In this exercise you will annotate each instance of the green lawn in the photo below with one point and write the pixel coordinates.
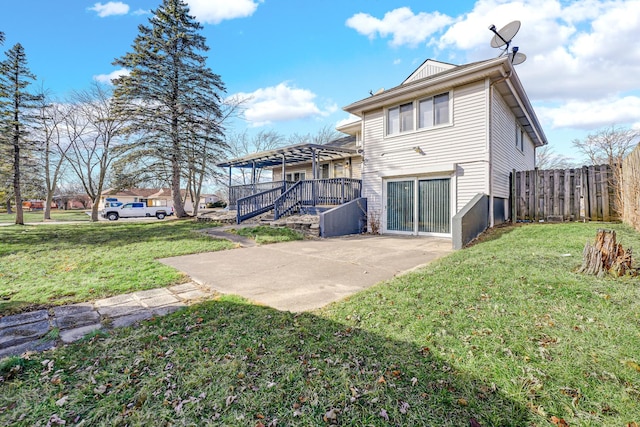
(38, 216)
(56, 264)
(503, 332)
(266, 234)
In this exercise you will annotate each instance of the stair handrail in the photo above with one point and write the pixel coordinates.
(256, 204)
(288, 200)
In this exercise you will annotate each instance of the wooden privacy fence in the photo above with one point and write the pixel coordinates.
(631, 189)
(585, 193)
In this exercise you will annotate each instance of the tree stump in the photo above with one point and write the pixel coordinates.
(606, 256)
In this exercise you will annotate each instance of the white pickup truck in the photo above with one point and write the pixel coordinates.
(135, 210)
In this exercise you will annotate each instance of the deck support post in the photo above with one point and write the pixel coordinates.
(284, 177)
(314, 174)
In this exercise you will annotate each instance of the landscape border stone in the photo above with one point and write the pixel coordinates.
(45, 329)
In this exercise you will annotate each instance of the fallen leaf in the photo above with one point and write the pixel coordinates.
(474, 423)
(331, 416)
(414, 381)
(404, 407)
(381, 380)
(559, 421)
(55, 419)
(100, 389)
(62, 401)
(462, 401)
(230, 400)
(384, 415)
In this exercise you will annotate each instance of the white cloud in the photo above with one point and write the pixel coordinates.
(281, 103)
(106, 78)
(590, 114)
(110, 8)
(578, 50)
(139, 12)
(402, 24)
(216, 11)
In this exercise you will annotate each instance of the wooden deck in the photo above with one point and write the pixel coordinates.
(285, 199)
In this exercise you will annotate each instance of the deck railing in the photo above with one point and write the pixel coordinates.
(240, 191)
(286, 198)
(256, 204)
(332, 191)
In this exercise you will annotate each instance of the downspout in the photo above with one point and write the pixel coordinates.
(490, 145)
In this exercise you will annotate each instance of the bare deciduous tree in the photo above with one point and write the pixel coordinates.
(242, 143)
(324, 135)
(610, 146)
(94, 132)
(546, 158)
(50, 121)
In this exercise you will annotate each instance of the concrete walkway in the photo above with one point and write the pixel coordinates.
(294, 276)
(308, 274)
(44, 329)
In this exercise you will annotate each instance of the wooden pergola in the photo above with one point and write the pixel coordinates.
(293, 154)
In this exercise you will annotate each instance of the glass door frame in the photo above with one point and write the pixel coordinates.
(416, 207)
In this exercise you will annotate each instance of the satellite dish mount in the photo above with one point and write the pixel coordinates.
(502, 39)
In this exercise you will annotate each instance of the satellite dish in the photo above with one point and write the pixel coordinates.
(517, 58)
(505, 35)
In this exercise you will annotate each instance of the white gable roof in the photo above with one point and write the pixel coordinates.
(428, 68)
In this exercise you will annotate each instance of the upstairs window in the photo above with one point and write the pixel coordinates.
(400, 119)
(519, 138)
(434, 111)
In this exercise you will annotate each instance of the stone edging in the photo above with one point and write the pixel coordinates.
(45, 329)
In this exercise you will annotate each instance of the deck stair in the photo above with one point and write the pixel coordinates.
(289, 199)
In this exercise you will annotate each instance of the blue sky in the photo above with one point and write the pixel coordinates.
(301, 62)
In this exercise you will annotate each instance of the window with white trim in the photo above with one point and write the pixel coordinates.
(519, 138)
(434, 111)
(400, 119)
(295, 176)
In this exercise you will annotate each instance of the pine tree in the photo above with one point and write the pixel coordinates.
(170, 97)
(16, 105)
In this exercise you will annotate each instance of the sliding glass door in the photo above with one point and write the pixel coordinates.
(400, 212)
(434, 206)
(418, 206)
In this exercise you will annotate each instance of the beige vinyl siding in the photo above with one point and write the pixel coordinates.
(354, 168)
(463, 142)
(504, 153)
(471, 180)
(291, 169)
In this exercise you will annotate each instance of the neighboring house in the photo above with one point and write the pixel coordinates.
(151, 196)
(434, 154)
(207, 199)
(72, 201)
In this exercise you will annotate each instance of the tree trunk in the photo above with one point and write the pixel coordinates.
(16, 174)
(9, 210)
(606, 256)
(94, 209)
(47, 206)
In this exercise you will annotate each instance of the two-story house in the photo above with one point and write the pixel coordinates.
(435, 153)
